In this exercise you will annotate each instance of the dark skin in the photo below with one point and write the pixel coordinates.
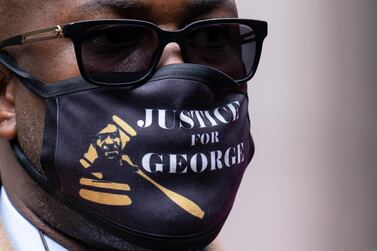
(22, 113)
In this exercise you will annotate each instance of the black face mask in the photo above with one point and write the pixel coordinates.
(158, 164)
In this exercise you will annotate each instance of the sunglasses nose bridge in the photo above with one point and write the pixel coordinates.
(170, 36)
(170, 47)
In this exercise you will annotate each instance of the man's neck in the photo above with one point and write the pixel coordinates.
(21, 233)
(30, 230)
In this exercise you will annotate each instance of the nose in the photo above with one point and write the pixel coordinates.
(172, 54)
(109, 140)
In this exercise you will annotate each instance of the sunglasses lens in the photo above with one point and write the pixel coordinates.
(125, 53)
(228, 47)
(118, 53)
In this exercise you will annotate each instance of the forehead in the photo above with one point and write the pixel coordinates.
(156, 11)
(25, 15)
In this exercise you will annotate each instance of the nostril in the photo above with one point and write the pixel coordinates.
(172, 54)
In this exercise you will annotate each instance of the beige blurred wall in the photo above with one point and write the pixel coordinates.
(312, 185)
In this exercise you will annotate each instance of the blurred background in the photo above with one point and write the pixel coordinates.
(312, 185)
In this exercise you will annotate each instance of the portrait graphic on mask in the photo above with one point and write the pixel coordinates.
(108, 151)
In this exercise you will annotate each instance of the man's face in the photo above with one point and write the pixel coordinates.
(22, 112)
(55, 60)
(108, 144)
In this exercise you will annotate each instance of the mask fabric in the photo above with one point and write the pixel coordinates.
(157, 164)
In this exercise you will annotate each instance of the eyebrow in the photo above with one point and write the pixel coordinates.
(126, 5)
(111, 4)
(209, 3)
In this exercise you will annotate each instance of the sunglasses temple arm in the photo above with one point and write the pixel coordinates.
(17, 40)
(54, 32)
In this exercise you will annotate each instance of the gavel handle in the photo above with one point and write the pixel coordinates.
(185, 203)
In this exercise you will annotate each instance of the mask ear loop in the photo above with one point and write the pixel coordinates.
(48, 177)
(41, 88)
(37, 87)
(30, 81)
(47, 180)
(27, 165)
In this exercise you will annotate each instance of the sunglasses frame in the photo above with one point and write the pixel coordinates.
(75, 30)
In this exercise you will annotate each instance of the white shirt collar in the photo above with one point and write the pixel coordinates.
(21, 233)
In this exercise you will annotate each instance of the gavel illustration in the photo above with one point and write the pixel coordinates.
(125, 133)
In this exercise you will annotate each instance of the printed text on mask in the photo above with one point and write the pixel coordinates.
(191, 120)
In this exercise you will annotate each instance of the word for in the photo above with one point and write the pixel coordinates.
(205, 138)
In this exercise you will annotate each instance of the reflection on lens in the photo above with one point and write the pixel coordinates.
(118, 53)
(228, 47)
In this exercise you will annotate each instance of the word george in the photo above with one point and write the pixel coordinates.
(197, 163)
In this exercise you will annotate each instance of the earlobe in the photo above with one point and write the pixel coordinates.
(7, 105)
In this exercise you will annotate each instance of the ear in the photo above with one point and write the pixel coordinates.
(7, 104)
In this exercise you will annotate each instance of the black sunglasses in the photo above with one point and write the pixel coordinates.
(123, 51)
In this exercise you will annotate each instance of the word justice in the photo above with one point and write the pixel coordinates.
(172, 119)
(197, 163)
